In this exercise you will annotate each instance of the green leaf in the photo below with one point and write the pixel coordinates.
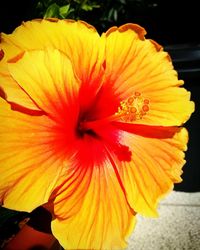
(115, 15)
(110, 14)
(52, 11)
(86, 7)
(89, 6)
(64, 10)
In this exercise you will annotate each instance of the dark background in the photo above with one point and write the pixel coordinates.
(175, 25)
(168, 22)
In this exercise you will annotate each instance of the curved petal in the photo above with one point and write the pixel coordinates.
(155, 166)
(91, 211)
(136, 65)
(48, 78)
(30, 162)
(78, 40)
(14, 93)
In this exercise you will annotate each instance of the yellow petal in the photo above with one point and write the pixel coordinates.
(91, 211)
(11, 89)
(48, 78)
(155, 166)
(14, 93)
(137, 65)
(30, 165)
(78, 40)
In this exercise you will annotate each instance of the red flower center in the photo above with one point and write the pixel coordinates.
(101, 137)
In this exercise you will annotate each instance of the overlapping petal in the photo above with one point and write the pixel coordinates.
(91, 212)
(48, 79)
(155, 166)
(78, 40)
(135, 64)
(34, 147)
(148, 160)
(30, 162)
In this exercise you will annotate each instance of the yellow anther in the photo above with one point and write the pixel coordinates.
(133, 108)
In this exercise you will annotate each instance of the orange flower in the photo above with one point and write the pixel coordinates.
(91, 124)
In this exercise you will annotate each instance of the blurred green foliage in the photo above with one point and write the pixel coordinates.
(101, 14)
(65, 8)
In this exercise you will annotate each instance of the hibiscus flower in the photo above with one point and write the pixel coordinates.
(90, 125)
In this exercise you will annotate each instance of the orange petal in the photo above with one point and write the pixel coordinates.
(30, 165)
(155, 166)
(91, 211)
(136, 65)
(48, 78)
(78, 40)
